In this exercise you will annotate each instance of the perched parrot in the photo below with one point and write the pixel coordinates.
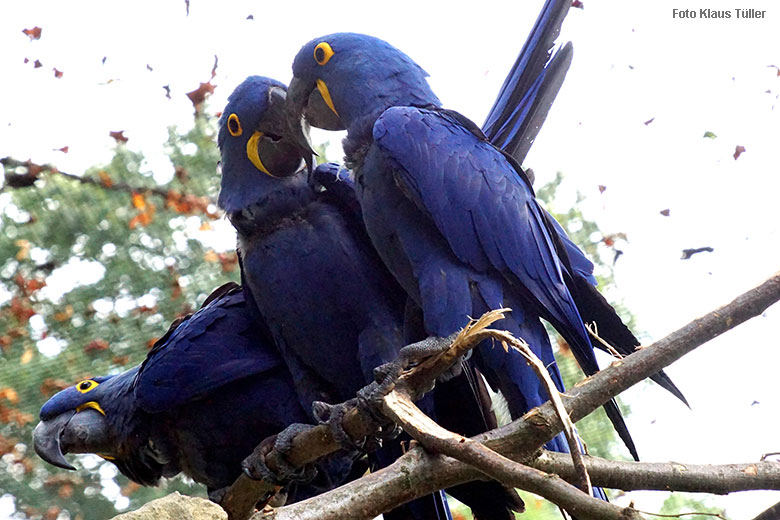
(210, 390)
(333, 310)
(453, 216)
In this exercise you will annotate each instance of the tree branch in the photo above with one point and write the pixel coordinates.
(667, 476)
(34, 170)
(513, 474)
(172, 198)
(311, 445)
(417, 473)
(582, 479)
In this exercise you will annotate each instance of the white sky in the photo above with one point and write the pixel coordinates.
(692, 76)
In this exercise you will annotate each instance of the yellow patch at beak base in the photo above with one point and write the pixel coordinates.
(323, 88)
(90, 404)
(251, 152)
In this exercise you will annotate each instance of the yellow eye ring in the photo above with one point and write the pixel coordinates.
(234, 125)
(323, 53)
(86, 385)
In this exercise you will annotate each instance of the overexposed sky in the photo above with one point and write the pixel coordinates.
(633, 62)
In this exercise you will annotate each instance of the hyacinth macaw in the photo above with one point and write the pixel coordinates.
(332, 309)
(210, 390)
(453, 217)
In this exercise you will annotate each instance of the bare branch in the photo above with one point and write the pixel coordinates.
(667, 476)
(311, 445)
(417, 473)
(514, 474)
(37, 169)
(582, 479)
(171, 197)
(307, 447)
(541, 424)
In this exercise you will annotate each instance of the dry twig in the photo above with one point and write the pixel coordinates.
(417, 473)
(667, 476)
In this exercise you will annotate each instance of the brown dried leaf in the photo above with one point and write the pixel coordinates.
(665, 212)
(97, 345)
(51, 386)
(10, 395)
(21, 309)
(24, 249)
(57, 73)
(65, 491)
(138, 200)
(738, 151)
(52, 513)
(105, 179)
(229, 261)
(64, 314)
(119, 137)
(143, 219)
(37, 64)
(64, 149)
(34, 33)
(33, 285)
(198, 96)
(27, 356)
(130, 488)
(181, 173)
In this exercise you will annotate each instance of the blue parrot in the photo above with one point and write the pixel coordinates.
(210, 390)
(311, 274)
(454, 217)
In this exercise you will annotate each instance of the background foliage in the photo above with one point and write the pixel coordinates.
(94, 268)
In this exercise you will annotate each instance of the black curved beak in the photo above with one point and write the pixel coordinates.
(47, 438)
(281, 156)
(298, 93)
(70, 432)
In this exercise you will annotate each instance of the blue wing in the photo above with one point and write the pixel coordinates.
(219, 344)
(513, 124)
(488, 215)
(480, 205)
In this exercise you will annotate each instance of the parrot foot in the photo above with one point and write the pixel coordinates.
(333, 416)
(255, 466)
(415, 353)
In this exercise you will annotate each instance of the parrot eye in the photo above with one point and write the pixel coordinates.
(234, 125)
(323, 53)
(86, 385)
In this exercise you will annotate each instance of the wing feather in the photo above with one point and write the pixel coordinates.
(217, 345)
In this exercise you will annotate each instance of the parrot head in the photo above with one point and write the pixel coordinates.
(94, 416)
(346, 80)
(256, 154)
